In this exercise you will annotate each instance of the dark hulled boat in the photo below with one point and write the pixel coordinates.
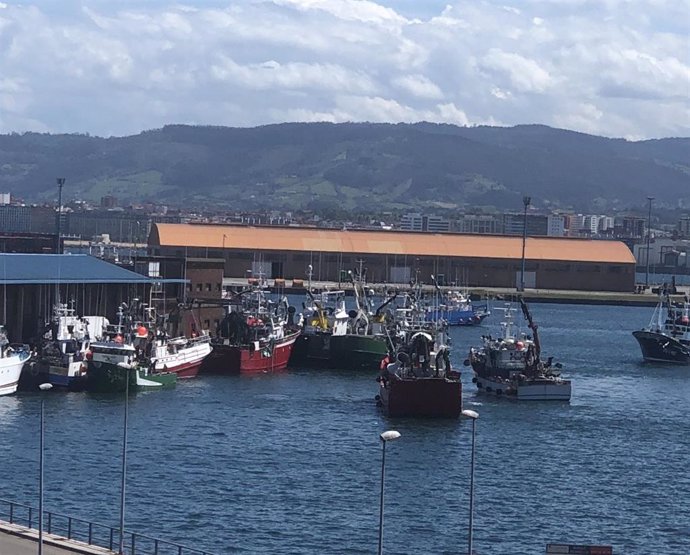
(667, 337)
(419, 381)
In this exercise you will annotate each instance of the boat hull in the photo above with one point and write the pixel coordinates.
(529, 390)
(236, 359)
(347, 352)
(659, 347)
(421, 397)
(10, 370)
(105, 377)
(185, 362)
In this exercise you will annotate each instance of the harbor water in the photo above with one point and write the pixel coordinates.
(290, 463)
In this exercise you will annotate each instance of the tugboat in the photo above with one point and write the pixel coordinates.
(667, 337)
(417, 379)
(511, 366)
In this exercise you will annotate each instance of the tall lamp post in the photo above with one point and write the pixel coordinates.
(390, 435)
(526, 201)
(124, 467)
(649, 233)
(60, 183)
(42, 387)
(473, 415)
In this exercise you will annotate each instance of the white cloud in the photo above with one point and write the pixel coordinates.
(418, 85)
(518, 72)
(595, 66)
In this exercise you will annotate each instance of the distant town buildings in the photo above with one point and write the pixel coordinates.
(424, 222)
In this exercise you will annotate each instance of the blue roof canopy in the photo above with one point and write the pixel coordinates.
(20, 269)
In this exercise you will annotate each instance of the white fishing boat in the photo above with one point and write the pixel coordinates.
(511, 365)
(12, 360)
(61, 356)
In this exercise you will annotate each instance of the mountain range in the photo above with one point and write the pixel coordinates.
(352, 167)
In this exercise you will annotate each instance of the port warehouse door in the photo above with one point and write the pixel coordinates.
(400, 274)
(530, 280)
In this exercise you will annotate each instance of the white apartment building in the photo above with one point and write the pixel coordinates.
(423, 222)
(555, 225)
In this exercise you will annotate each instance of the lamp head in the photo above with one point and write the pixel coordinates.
(390, 435)
(45, 386)
(526, 201)
(470, 414)
(60, 181)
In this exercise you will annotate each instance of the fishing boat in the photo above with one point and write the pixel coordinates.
(254, 336)
(333, 337)
(12, 360)
(114, 366)
(511, 365)
(456, 308)
(667, 337)
(140, 347)
(417, 379)
(60, 357)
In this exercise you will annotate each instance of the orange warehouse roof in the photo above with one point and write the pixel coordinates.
(388, 242)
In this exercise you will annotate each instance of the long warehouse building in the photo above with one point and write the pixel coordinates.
(399, 257)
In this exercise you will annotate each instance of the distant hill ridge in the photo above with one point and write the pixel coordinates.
(352, 166)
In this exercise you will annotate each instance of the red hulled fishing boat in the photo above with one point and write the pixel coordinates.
(256, 335)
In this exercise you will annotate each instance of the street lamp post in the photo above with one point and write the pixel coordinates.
(42, 387)
(649, 233)
(385, 438)
(526, 201)
(473, 415)
(60, 182)
(124, 466)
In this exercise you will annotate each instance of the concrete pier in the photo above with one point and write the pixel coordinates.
(20, 540)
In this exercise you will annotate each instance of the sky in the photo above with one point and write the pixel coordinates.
(617, 68)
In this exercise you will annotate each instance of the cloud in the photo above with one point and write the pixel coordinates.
(111, 68)
(516, 71)
(418, 85)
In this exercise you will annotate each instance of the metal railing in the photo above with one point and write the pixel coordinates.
(92, 533)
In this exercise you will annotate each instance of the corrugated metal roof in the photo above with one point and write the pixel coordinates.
(389, 242)
(63, 268)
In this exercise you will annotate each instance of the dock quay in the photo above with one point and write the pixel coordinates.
(648, 297)
(66, 535)
(20, 540)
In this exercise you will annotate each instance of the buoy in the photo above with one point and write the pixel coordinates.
(119, 338)
(520, 345)
(142, 331)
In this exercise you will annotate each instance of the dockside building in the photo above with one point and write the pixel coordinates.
(399, 257)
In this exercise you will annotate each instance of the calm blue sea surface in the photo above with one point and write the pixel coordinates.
(291, 462)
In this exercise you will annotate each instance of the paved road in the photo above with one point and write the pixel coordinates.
(26, 543)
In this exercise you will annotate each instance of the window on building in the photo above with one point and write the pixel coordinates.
(198, 287)
(208, 287)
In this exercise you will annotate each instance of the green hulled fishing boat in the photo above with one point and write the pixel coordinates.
(332, 337)
(111, 363)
